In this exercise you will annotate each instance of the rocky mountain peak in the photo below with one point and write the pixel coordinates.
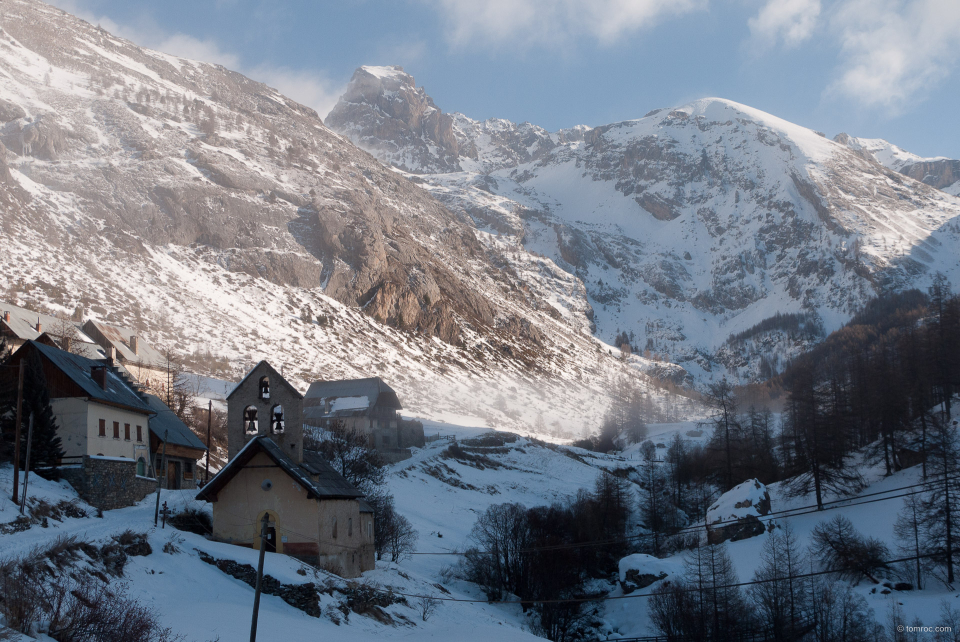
(696, 223)
(384, 112)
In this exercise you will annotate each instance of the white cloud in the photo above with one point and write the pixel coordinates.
(893, 51)
(552, 23)
(791, 21)
(306, 87)
(184, 46)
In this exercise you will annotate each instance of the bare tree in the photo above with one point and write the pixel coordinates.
(427, 606)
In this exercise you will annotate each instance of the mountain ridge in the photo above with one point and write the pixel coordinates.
(686, 226)
(216, 216)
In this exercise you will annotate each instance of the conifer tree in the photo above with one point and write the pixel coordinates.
(46, 449)
(8, 401)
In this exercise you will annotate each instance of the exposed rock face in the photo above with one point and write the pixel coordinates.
(196, 154)
(939, 173)
(225, 221)
(383, 111)
(695, 223)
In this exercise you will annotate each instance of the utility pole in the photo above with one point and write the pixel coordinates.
(264, 523)
(16, 438)
(160, 473)
(26, 475)
(206, 475)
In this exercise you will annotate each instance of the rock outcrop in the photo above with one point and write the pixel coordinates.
(736, 514)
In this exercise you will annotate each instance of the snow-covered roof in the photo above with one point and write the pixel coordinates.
(348, 397)
(121, 339)
(23, 324)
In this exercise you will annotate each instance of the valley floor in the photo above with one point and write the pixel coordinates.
(442, 496)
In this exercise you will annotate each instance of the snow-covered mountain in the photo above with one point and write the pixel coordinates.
(939, 172)
(220, 218)
(687, 226)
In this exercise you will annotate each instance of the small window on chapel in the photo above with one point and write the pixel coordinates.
(265, 387)
(350, 527)
(276, 420)
(334, 528)
(250, 420)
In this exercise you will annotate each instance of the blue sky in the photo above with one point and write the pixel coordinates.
(872, 68)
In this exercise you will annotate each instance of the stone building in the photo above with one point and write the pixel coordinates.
(264, 403)
(316, 515)
(366, 405)
(110, 431)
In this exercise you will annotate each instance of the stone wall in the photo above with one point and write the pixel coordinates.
(108, 483)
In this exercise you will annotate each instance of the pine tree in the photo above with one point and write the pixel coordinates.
(46, 449)
(8, 401)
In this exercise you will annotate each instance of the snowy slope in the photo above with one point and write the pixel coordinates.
(690, 224)
(442, 497)
(221, 219)
(940, 172)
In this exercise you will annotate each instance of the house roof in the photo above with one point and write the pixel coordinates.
(329, 483)
(357, 396)
(269, 371)
(23, 324)
(77, 345)
(119, 338)
(167, 422)
(80, 370)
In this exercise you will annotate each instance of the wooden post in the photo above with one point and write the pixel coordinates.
(160, 474)
(16, 438)
(256, 598)
(206, 475)
(26, 475)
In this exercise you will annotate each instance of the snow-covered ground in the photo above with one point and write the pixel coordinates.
(442, 497)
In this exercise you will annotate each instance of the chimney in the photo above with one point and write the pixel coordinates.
(39, 327)
(6, 316)
(135, 345)
(112, 354)
(65, 342)
(99, 374)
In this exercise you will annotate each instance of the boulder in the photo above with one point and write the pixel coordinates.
(639, 571)
(736, 514)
